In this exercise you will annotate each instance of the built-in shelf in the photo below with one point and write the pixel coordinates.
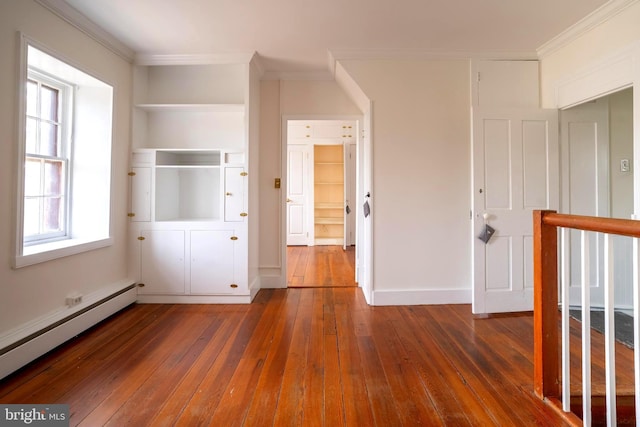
(320, 220)
(336, 205)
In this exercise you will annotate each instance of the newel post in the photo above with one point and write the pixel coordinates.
(545, 308)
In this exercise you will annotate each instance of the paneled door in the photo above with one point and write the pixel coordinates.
(515, 171)
(298, 197)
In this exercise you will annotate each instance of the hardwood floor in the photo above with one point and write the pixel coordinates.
(320, 266)
(319, 357)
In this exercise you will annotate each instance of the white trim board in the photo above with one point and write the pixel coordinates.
(586, 24)
(69, 14)
(421, 297)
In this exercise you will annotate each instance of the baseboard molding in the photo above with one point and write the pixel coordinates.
(30, 341)
(272, 278)
(196, 299)
(421, 297)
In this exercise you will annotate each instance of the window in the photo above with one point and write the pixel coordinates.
(46, 159)
(64, 192)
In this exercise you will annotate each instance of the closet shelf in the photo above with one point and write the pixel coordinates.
(336, 205)
(329, 220)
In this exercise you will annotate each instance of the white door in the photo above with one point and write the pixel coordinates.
(298, 197)
(140, 194)
(584, 146)
(212, 261)
(162, 262)
(234, 194)
(515, 171)
(351, 153)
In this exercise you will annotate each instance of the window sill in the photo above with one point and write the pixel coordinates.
(48, 251)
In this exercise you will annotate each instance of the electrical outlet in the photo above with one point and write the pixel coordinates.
(73, 299)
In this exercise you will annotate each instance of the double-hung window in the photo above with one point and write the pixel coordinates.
(64, 179)
(47, 160)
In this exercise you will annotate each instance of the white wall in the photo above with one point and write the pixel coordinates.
(603, 40)
(421, 175)
(621, 147)
(31, 292)
(277, 99)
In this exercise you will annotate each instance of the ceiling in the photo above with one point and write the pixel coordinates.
(293, 36)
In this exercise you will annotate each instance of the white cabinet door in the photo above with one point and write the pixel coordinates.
(212, 261)
(140, 194)
(162, 262)
(234, 194)
(298, 197)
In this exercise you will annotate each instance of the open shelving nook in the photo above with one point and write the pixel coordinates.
(328, 166)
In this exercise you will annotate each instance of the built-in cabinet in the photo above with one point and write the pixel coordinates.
(189, 183)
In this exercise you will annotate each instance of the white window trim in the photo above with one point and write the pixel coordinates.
(46, 251)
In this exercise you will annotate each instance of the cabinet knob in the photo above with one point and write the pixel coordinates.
(244, 214)
(244, 173)
(140, 238)
(289, 200)
(228, 194)
(131, 214)
(131, 174)
(234, 238)
(233, 285)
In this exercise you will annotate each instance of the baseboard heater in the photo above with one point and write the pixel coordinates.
(50, 333)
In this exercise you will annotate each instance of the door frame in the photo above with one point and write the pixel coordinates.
(361, 165)
(603, 77)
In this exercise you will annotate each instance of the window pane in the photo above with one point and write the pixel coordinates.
(32, 98)
(31, 216)
(53, 177)
(52, 214)
(48, 139)
(32, 178)
(49, 103)
(31, 136)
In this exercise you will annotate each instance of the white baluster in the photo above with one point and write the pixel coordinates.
(609, 331)
(586, 329)
(564, 287)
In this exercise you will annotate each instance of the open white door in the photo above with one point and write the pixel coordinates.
(515, 171)
(584, 146)
(298, 197)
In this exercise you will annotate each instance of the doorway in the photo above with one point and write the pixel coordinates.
(321, 194)
(597, 180)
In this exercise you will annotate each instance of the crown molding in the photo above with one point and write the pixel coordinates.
(426, 54)
(586, 24)
(193, 59)
(70, 15)
(298, 75)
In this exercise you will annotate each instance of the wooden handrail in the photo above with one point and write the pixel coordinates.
(545, 299)
(623, 227)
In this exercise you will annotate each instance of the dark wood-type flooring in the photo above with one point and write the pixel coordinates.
(294, 357)
(320, 266)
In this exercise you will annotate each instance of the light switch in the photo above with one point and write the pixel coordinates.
(624, 165)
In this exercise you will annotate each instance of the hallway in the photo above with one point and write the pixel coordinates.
(320, 266)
